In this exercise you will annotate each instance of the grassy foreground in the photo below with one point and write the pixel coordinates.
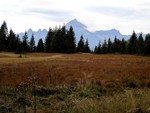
(74, 83)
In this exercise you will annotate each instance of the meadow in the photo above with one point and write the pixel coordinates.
(74, 83)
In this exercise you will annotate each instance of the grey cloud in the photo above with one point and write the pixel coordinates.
(51, 14)
(112, 11)
(119, 12)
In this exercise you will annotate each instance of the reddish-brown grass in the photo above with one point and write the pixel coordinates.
(73, 69)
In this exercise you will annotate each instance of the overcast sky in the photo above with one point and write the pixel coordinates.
(124, 15)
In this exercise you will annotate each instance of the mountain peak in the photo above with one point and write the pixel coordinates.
(75, 24)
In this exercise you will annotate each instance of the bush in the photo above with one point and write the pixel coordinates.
(130, 83)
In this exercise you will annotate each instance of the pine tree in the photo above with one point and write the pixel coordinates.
(62, 39)
(70, 41)
(11, 41)
(48, 40)
(123, 46)
(32, 44)
(86, 47)
(132, 45)
(104, 47)
(3, 36)
(97, 49)
(140, 44)
(40, 46)
(110, 46)
(25, 45)
(80, 47)
(147, 45)
(56, 46)
(18, 45)
(115, 45)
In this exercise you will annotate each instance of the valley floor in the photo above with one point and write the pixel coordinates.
(74, 83)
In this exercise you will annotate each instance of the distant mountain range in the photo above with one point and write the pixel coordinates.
(81, 29)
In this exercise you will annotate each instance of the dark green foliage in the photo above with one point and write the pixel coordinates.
(40, 46)
(110, 46)
(86, 47)
(80, 47)
(32, 44)
(123, 46)
(140, 44)
(147, 45)
(104, 47)
(130, 83)
(3, 36)
(61, 40)
(25, 45)
(48, 40)
(11, 41)
(97, 49)
(132, 44)
(70, 41)
(18, 45)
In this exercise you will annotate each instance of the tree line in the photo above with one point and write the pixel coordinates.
(61, 40)
(58, 40)
(135, 45)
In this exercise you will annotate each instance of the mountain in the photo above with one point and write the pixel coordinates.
(80, 29)
(37, 34)
(93, 37)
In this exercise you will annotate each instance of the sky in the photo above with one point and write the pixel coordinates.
(123, 15)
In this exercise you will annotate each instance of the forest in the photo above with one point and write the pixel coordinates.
(61, 40)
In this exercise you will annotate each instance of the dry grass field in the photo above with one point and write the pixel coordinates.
(74, 83)
(71, 69)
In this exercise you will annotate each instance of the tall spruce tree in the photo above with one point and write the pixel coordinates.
(123, 46)
(140, 44)
(70, 41)
(3, 36)
(80, 47)
(132, 45)
(25, 45)
(11, 41)
(32, 44)
(18, 45)
(48, 40)
(40, 46)
(86, 47)
(115, 45)
(97, 49)
(104, 47)
(147, 45)
(110, 46)
(56, 46)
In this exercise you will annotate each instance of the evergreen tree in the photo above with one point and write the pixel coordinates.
(104, 47)
(11, 41)
(80, 47)
(62, 39)
(25, 45)
(147, 45)
(123, 46)
(86, 47)
(40, 46)
(115, 45)
(18, 45)
(3, 36)
(110, 46)
(140, 44)
(132, 45)
(56, 40)
(97, 49)
(70, 41)
(48, 40)
(32, 44)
